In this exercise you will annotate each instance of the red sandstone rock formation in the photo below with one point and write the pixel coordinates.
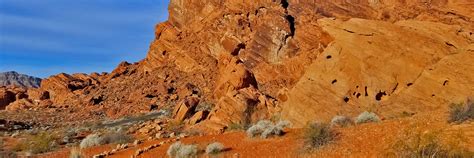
(297, 60)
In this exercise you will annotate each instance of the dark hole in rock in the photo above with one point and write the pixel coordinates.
(409, 84)
(358, 95)
(150, 96)
(334, 81)
(96, 100)
(237, 50)
(328, 57)
(346, 99)
(171, 90)
(284, 4)
(153, 107)
(291, 20)
(379, 95)
(445, 82)
(366, 94)
(450, 44)
(433, 95)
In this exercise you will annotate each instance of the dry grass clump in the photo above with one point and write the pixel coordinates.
(266, 128)
(75, 153)
(235, 127)
(179, 150)
(461, 112)
(417, 143)
(317, 135)
(37, 143)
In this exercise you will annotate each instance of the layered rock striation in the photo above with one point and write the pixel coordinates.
(234, 62)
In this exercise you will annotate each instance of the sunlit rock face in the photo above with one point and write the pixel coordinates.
(290, 59)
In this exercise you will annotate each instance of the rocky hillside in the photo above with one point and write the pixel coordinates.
(215, 63)
(20, 80)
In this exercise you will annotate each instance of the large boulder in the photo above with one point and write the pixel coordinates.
(6, 97)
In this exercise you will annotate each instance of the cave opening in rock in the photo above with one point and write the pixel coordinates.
(445, 82)
(379, 95)
(346, 99)
(366, 94)
(291, 21)
(237, 50)
(284, 4)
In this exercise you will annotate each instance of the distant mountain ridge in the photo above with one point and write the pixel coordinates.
(17, 79)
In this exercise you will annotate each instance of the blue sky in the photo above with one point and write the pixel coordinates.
(46, 37)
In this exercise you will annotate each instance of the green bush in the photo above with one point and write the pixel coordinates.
(317, 135)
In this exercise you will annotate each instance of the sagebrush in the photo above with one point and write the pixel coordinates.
(367, 117)
(266, 128)
(107, 138)
(341, 121)
(317, 135)
(179, 150)
(214, 148)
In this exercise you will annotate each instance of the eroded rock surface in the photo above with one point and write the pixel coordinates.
(297, 60)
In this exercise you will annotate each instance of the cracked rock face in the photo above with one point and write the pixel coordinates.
(298, 60)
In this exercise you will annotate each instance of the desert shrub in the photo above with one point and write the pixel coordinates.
(317, 135)
(235, 127)
(416, 143)
(107, 138)
(116, 138)
(283, 124)
(214, 148)
(39, 143)
(266, 128)
(367, 117)
(75, 153)
(187, 151)
(275, 129)
(461, 112)
(175, 126)
(341, 121)
(258, 128)
(179, 150)
(173, 149)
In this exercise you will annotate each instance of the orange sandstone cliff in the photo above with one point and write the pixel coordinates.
(215, 63)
